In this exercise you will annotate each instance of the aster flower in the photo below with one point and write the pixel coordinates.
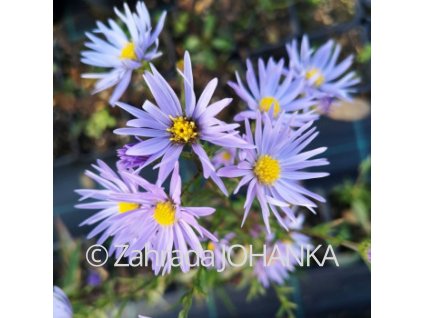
(274, 168)
(216, 248)
(167, 128)
(224, 157)
(273, 93)
(325, 78)
(120, 53)
(112, 183)
(127, 161)
(161, 224)
(285, 255)
(62, 307)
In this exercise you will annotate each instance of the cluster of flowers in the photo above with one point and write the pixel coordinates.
(283, 102)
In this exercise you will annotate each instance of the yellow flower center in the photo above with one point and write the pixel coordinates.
(267, 169)
(182, 130)
(226, 156)
(317, 74)
(127, 206)
(128, 52)
(180, 65)
(164, 213)
(210, 246)
(267, 102)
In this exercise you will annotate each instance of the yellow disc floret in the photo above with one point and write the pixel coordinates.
(317, 74)
(226, 156)
(128, 52)
(267, 169)
(127, 206)
(182, 130)
(164, 213)
(267, 102)
(211, 246)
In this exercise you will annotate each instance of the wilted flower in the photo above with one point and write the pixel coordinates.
(127, 161)
(169, 128)
(112, 183)
(274, 93)
(161, 224)
(120, 53)
(93, 278)
(282, 256)
(325, 78)
(272, 170)
(62, 307)
(224, 157)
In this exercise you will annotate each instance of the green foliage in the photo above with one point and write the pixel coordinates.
(186, 302)
(364, 249)
(255, 290)
(211, 45)
(315, 2)
(287, 307)
(364, 54)
(192, 43)
(99, 122)
(180, 24)
(357, 195)
(209, 26)
(71, 278)
(200, 281)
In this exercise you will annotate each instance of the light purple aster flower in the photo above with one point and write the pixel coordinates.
(224, 157)
(127, 161)
(282, 256)
(161, 224)
(62, 307)
(112, 183)
(325, 78)
(120, 53)
(220, 261)
(273, 169)
(274, 93)
(169, 128)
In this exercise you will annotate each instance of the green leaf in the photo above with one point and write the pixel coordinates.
(222, 44)
(365, 54)
(99, 122)
(72, 275)
(200, 282)
(181, 23)
(287, 307)
(209, 26)
(364, 249)
(186, 301)
(361, 210)
(192, 43)
(207, 58)
(255, 289)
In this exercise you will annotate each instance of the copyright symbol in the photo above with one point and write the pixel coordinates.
(97, 255)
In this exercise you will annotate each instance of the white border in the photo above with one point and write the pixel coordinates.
(26, 161)
(397, 158)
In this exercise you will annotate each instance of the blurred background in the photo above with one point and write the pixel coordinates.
(220, 35)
